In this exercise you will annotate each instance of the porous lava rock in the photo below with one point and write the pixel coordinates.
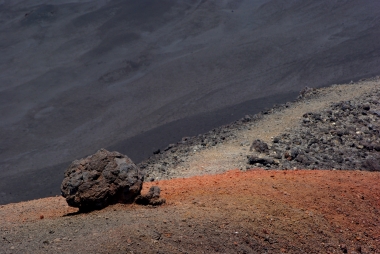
(152, 198)
(101, 179)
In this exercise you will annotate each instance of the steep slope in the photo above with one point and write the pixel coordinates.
(79, 75)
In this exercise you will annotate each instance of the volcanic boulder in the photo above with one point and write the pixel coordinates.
(101, 179)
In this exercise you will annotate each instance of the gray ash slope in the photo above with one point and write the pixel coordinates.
(344, 135)
(76, 76)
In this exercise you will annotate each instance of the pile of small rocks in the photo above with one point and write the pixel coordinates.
(158, 165)
(344, 136)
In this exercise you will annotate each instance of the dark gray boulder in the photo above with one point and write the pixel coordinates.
(101, 179)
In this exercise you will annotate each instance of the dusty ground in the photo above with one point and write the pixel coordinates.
(256, 211)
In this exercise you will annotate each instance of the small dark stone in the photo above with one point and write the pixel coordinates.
(343, 247)
(169, 147)
(318, 117)
(259, 146)
(265, 161)
(376, 112)
(303, 159)
(372, 164)
(340, 133)
(337, 158)
(367, 145)
(152, 198)
(247, 118)
(306, 91)
(156, 235)
(277, 155)
(294, 152)
(366, 107)
(345, 107)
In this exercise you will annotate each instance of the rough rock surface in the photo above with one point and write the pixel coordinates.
(101, 179)
(344, 136)
(152, 198)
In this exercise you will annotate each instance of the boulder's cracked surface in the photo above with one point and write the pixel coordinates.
(101, 179)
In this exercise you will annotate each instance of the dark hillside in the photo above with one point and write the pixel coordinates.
(76, 76)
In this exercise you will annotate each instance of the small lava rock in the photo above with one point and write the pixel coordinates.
(259, 146)
(152, 198)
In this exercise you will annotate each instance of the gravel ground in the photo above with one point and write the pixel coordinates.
(256, 211)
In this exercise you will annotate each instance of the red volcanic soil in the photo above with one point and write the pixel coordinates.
(292, 207)
(260, 211)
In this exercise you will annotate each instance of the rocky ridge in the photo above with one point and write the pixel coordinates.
(342, 135)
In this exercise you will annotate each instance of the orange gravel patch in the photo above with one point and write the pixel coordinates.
(296, 211)
(348, 200)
